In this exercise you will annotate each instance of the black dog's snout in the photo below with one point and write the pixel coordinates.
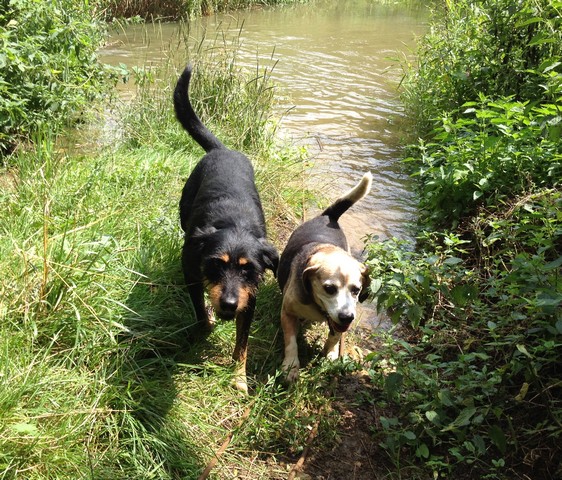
(229, 303)
(346, 317)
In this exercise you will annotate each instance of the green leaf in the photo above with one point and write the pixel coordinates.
(25, 428)
(392, 383)
(388, 422)
(433, 417)
(479, 443)
(477, 194)
(498, 438)
(554, 264)
(422, 451)
(414, 314)
(462, 420)
(409, 435)
(376, 285)
(445, 398)
(550, 67)
(547, 299)
(541, 39)
(463, 294)
(523, 350)
(452, 261)
(529, 21)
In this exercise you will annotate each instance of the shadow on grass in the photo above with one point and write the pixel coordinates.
(162, 346)
(158, 336)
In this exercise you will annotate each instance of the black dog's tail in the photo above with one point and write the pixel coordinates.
(342, 204)
(188, 118)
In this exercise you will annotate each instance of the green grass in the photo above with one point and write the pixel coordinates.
(102, 374)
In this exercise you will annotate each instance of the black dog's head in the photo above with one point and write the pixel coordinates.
(233, 262)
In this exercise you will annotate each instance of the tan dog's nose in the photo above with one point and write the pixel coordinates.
(346, 317)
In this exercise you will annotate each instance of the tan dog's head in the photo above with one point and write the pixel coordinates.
(336, 282)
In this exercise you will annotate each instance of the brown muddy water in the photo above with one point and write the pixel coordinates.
(337, 65)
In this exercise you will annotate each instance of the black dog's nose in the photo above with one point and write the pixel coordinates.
(229, 304)
(346, 317)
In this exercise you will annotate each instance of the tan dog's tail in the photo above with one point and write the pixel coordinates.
(342, 204)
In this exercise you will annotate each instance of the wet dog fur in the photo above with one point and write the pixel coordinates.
(320, 280)
(225, 250)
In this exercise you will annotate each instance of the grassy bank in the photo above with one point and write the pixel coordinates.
(101, 374)
(475, 390)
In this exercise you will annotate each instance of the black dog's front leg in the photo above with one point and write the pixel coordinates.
(243, 323)
(192, 277)
(196, 293)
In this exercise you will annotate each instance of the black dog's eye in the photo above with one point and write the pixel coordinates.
(217, 263)
(355, 290)
(246, 265)
(330, 289)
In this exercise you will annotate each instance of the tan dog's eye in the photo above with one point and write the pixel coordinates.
(355, 291)
(330, 289)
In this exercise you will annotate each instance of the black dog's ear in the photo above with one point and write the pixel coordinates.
(200, 237)
(365, 283)
(270, 256)
(203, 232)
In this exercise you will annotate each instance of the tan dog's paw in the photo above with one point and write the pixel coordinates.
(333, 354)
(291, 370)
(240, 384)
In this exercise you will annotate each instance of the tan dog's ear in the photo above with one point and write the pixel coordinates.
(306, 274)
(365, 283)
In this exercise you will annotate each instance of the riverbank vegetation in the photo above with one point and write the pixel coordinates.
(49, 73)
(102, 374)
(177, 9)
(474, 387)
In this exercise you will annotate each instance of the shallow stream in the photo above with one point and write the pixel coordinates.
(337, 64)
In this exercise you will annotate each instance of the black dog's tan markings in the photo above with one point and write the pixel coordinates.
(225, 247)
(319, 278)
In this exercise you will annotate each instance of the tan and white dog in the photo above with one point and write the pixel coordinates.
(320, 280)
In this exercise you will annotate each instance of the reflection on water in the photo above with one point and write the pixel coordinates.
(335, 62)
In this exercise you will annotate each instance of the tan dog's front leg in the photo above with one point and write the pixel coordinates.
(290, 325)
(331, 348)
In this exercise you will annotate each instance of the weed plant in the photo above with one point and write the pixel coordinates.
(476, 391)
(103, 373)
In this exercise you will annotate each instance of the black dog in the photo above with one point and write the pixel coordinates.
(225, 247)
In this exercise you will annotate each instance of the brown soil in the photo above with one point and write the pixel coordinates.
(356, 454)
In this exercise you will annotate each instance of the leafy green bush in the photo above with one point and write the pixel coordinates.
(475, 391)
(484, 370)
(48, 67)
(494, 47)
(494, 149)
